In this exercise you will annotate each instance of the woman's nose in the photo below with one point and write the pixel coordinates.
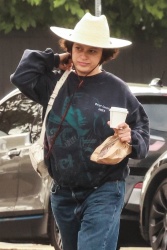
(83, 54)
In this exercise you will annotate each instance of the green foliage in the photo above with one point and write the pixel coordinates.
(136, 19)
(131, 19)
(34, 2)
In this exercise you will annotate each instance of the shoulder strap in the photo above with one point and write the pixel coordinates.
(51, 101)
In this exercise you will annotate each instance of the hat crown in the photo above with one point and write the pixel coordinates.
(93, 25)
(91, 28)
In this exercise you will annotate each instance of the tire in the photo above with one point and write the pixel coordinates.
(158, 218)
(54, 234)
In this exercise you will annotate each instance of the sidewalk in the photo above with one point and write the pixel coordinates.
(135, 248)
(14, 246)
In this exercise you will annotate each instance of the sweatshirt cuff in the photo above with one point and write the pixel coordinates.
(56, 60)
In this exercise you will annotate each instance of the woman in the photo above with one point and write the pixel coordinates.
(86, 198)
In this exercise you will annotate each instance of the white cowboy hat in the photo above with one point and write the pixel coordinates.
(92, 31)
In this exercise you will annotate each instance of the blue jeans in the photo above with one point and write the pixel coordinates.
(89, 219)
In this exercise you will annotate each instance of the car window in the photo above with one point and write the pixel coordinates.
(156, 109)
(19, 115)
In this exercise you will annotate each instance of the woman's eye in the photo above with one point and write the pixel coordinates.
(93, 51)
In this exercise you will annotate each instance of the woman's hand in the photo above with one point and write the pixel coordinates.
(65, 61)
(123, 131)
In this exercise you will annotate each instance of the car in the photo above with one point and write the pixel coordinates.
(153, 204)
(148, 177)
(25, 209)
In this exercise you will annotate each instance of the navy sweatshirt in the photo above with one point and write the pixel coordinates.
(85, 125)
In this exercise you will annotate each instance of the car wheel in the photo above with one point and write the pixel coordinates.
(54, 233)
(158, 218)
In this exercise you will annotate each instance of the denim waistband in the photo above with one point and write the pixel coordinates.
(80, 188)
(76, 189)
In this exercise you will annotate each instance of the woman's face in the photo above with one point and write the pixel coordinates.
(86, 59)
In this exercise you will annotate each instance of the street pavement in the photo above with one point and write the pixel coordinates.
(13, 246)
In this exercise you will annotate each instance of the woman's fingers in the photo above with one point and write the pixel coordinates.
(123, 131)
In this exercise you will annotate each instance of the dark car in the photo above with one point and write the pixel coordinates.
(153, 204)
(25, 211)
(146, 194)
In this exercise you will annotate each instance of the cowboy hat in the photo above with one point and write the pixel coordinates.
(92, 31)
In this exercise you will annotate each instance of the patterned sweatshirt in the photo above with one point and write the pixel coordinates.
(85, 125)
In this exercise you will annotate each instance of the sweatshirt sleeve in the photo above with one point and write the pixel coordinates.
(140, 133)
(137, 119)
(34, 75)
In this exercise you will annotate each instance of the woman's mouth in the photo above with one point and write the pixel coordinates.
(83, 64)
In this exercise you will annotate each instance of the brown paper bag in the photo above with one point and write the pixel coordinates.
(111, 151)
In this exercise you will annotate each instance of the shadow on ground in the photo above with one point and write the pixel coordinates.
(130, 235)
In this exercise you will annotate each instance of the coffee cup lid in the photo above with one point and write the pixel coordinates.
(119, 109)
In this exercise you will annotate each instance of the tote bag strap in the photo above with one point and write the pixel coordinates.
(51, 101)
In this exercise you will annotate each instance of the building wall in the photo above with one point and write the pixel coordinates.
(139, 62)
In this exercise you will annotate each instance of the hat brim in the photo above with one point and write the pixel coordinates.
(67, 34)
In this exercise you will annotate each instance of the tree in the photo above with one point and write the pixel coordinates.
(132, 19)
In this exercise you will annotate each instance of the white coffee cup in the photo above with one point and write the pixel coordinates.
(117, 116)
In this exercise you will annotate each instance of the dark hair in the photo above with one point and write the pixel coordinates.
(107, 54)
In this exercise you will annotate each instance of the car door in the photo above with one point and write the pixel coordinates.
(20, 117)
(9, 160)
(8, 177)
